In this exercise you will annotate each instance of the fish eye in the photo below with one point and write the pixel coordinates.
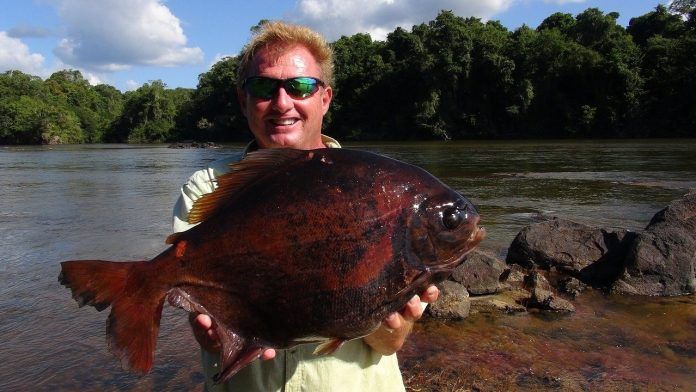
(452, 218)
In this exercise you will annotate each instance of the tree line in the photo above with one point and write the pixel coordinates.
(450, 78)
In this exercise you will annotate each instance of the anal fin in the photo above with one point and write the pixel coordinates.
(236, 352)
(236, 349)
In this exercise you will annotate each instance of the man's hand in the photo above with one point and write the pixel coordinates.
(206, 336)
(390, 336)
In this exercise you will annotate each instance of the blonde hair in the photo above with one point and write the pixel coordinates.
(280, 36)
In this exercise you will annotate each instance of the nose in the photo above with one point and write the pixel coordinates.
(281, 101)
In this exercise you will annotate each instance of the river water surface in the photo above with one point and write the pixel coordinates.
(114, 202)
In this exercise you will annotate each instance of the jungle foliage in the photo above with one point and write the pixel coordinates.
(450, 78)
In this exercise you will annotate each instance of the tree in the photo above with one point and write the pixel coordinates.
(358, 67)
(564, 23)
(213, 113)
(659, 22)
(148, 114)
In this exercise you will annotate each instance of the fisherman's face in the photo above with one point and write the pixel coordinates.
(283, 120)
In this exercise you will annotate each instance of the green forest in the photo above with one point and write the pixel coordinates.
(582, 76)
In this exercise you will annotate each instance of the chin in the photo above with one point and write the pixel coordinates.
(283, 140)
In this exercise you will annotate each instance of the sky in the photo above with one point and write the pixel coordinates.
(126, 43)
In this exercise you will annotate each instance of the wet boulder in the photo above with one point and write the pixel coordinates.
(453, 302)
(593, 255)
(662, 259)
(542, 295)
(480, 273)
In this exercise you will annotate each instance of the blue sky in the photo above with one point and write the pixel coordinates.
(126, 43)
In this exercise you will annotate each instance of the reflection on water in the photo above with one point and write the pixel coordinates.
(114, 202)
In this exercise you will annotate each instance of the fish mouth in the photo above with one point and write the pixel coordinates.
(445, 268)
(477, 235)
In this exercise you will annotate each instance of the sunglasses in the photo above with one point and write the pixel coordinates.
(264, 88)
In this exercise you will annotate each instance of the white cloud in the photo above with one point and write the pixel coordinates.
(218, 57)
(132, 85)
(15, 55)
(92, 78)
(113, 35)
(334, 18)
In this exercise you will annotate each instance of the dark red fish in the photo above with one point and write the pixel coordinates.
(293, 246)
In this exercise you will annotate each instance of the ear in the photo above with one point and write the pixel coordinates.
(326, 99)
(242, 99)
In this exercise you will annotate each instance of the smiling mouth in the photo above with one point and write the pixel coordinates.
(283, 122)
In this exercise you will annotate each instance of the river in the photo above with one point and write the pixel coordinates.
(114, 202)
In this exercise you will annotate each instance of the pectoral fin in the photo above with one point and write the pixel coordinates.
(329, 347)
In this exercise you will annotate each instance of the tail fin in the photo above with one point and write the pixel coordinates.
(136, 305)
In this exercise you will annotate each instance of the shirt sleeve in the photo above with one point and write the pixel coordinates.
(200, 183)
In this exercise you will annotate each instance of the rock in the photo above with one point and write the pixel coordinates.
(594, 255)
(572, 286)
(513, 277)
(542, 297)
(453, 302)
(193, 144)
(547, 300)
(506, 302)
(480, 273)
(535, 280)
(662, 259)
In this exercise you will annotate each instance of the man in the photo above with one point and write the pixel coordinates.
(284, 89)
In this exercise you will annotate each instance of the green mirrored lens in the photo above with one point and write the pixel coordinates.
(261, 87)
(301, 87)
(264, 88)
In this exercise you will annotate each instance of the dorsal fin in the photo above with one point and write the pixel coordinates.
(254, 167)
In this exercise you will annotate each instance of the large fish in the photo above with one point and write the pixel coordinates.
(293, 246)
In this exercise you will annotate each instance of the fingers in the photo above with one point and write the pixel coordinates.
(430, 294)
(413, 309)
(393, 321)
(203, 321)
(205, 324)
(268, 353)
(411, 312)
(204, 331)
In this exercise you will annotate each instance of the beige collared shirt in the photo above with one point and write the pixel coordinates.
(353, 367)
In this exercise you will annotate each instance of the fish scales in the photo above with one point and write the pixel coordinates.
(319, 244)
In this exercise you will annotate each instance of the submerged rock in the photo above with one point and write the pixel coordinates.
(505, 302)
(662, 259)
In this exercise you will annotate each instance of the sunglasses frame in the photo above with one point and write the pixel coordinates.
(286, 86)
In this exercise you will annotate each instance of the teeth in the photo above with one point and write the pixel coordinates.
(286, 121)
